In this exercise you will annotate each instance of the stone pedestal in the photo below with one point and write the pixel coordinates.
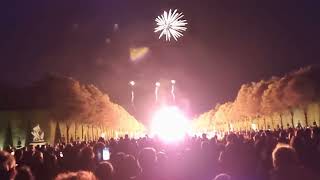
(38, 143)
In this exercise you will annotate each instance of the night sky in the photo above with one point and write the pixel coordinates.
(227, 43)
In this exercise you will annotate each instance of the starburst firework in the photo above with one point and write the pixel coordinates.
(171, 25)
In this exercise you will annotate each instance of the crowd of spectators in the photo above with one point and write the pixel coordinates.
(292, 154)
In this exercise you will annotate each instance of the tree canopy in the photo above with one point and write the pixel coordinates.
(297, 89)
(70, 101)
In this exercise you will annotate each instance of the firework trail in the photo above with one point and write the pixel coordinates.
(173, 82)
(132, 98)
(132, 83)
(157, 90)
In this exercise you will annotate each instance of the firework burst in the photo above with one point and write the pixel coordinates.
(171, 25)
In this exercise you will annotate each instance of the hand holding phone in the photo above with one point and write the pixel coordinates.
(105, 154)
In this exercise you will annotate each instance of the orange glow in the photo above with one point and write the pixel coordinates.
(138, 53)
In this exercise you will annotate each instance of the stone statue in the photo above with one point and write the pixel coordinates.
(38, 134)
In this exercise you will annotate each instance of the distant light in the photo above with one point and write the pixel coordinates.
(108, 40)
(100, 61)
(173, 81)
(132, 83)
(115, 27)
(75, 26)
(169, 124)
(157, 84)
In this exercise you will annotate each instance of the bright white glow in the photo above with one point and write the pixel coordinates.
(132, 83)
(170, 24)
(103, 135)
(173, 81)
(254, 127)
(157, 84)
(169, 124)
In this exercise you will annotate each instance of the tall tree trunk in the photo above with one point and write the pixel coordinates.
(281, 121)
(29, 138)
(68, 128)
(92, 132)
(306, 116)
(318, 124)
(292, 114)
(8, 141)
(265, 123)
(82, 132)
(88, 132)
(75, 131)
(57, 137)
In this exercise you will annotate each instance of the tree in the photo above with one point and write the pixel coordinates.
(275, 96)
(223, 114)
(57, 135)
(272, 101)
(8, 141)
(63, 98)
(72, 103)
(302, 89)
(240, 107)
(28, 133)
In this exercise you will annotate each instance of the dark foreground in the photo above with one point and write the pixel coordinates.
(241, 155)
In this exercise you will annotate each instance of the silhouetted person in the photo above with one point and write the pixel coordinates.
(37, 165)
(231, 157)
(286, 166)
(314, 124)
(80, 175)
(117, 160)
(162, 165)
(104, 171)
(222, 177)
(50, 165)
(24, 173)
(18, 155)
(7, 166)
(147, 161)
(299, 125)
(131, 168)
(87, 161)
